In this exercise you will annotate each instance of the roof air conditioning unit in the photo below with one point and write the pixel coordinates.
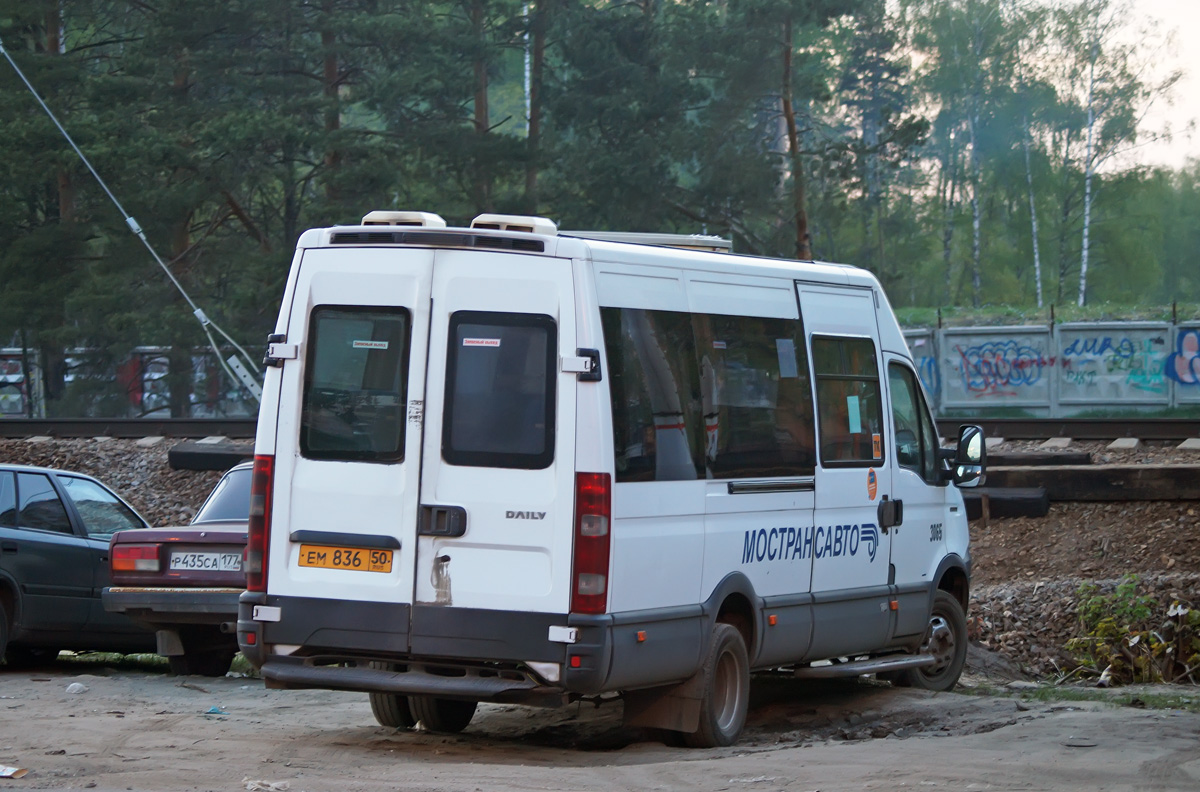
(419, 219)
(525, 223)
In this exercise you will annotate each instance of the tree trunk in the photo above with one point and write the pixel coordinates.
(1088, 171)
(54, 46)
(333, 115)
(976, 220)
(948, 208)
(482, 186)
(537, 67)
(1037, 258)
(800, 213)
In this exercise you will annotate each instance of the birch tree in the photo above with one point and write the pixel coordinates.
(1107, 69)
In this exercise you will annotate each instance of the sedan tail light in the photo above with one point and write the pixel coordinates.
(136, 558)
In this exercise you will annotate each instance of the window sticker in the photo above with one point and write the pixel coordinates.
(872, 483)
(876, 447)
(785, 348)
(481, 342)
(854, 414)
(369, 344)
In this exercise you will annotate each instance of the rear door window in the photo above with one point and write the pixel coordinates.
(40, 506)
(356, 384)
(500, 389)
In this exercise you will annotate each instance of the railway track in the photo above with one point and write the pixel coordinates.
(1145, 429)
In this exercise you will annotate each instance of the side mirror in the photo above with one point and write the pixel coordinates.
(970, 460)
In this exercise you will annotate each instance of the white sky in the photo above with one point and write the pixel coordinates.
(1182, 19)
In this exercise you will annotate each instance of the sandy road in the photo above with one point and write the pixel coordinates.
(140, 730)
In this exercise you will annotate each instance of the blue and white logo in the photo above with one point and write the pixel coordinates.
(869, 534)
(821, 541)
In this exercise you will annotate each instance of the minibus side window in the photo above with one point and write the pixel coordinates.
(355, 384)
(658, 426)
(500, 389)
(848, 401)
(756, 396)
(916, 443)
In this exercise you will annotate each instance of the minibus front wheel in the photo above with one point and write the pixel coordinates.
(946, 640)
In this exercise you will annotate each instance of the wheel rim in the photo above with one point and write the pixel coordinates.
(940, 645)
(727, 691)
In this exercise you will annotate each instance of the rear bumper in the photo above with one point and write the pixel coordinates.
(482, 655)
(168, 606)
(511, 687)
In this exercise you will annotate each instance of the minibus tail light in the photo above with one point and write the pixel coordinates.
(593, 512)
(258, 535)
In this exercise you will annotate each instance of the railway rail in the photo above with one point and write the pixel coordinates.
(1146, 429)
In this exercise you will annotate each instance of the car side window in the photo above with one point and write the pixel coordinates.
(848, 404)
(916, 445)
(40, 506)
(8, 500)
(103, 513)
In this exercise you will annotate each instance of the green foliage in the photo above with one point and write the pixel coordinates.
(228, 127)
(1127, 637)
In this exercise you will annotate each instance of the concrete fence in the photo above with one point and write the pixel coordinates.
(1060, 370)
(1046, 370)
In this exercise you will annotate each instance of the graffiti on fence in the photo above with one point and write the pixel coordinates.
(999, 368)
(931, 377)
(1183, 365)
(1119, 362)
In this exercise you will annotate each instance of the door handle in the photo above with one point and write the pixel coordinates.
(443, 521)
(8, 547)
(890, 513)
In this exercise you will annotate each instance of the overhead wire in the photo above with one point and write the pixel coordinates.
(205, 322)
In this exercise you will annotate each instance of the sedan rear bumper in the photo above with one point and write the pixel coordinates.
(168, 605)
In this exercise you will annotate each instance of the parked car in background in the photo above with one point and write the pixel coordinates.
(54, 536)
(184, 582)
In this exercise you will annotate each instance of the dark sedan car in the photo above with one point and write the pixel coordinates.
(54, 533)
(184, 582)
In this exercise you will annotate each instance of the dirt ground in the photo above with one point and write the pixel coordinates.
(140, 729)
(144, 730)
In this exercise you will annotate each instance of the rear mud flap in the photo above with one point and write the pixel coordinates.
(675, 707)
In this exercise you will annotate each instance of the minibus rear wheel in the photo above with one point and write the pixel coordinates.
(390, 709)
(448, 716)
(726, 681)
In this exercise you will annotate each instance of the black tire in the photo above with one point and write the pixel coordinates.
(391, 709)
(27, 657)
(947, 640)
(449, 716)
(209, 663)
(3, 633)
(726, 680)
